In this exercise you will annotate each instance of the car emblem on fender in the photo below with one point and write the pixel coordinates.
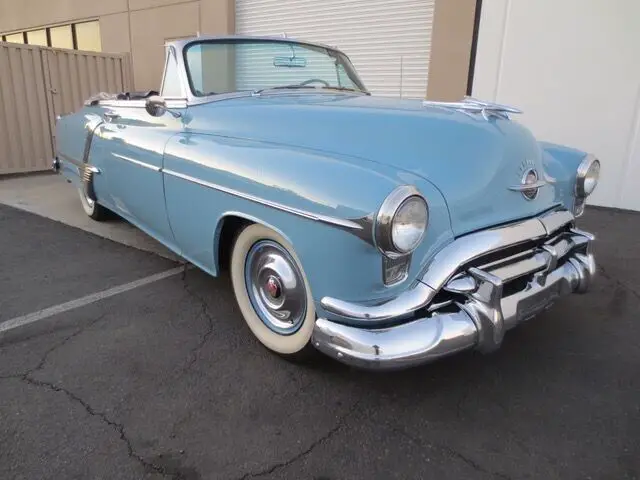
(529, 185)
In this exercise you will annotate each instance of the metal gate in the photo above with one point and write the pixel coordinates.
(39, 83)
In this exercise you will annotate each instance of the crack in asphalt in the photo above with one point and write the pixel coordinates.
(27, 377)
(43, 360)
(618, 282)
(207, 314)
(340, 423)
(118, 427)
(452, 452)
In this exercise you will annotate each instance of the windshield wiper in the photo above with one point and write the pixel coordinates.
(282, 87)
(296, 86)
(346, 89)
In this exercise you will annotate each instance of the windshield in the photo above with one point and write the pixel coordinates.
(216, 67)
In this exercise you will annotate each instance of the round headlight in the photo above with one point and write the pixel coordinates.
(409, 224)
(587, 177)
(401, 221)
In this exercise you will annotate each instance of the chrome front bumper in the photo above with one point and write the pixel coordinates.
(473, 303)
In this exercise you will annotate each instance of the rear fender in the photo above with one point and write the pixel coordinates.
(74, 136)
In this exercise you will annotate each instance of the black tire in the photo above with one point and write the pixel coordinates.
(93, 209)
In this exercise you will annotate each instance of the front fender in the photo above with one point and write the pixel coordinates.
(561, 165)
(246, 179)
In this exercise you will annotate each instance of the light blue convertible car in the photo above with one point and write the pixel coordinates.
(383, 232)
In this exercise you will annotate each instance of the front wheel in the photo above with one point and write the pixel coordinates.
(272, 292)
(91, 207)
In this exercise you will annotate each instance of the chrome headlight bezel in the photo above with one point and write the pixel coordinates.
(383, 227)
(584, 169)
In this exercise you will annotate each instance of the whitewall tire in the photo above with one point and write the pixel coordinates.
(272, 292)
(92, 208)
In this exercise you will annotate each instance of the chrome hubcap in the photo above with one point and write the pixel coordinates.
(275, 287)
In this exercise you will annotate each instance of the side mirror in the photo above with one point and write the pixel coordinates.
(156, 106)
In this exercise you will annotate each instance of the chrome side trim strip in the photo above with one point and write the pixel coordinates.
(137, 162)
(344, 223)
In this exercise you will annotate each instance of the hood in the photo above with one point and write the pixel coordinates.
(472, 161)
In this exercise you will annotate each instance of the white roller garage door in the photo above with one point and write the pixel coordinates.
(573, 67)
(387, 40)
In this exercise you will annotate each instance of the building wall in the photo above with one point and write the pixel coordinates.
(451, 42)
(578, 82)
(138, 27)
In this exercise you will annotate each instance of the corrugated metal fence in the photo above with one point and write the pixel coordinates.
(39, 83)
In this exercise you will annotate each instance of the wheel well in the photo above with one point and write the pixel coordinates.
(231, 226)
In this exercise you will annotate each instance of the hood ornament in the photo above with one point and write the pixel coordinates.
(474, 106)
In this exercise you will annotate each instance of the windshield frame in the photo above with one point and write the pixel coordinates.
(330, 51)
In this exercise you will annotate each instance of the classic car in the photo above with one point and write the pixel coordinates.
(383, 232)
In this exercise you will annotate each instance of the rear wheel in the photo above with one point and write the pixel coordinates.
(91, 207)
(272, 292)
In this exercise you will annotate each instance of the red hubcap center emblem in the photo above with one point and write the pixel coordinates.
(273, 288)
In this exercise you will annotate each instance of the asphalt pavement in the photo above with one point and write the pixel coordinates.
(166, 382)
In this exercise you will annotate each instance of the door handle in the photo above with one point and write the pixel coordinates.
(110, 116)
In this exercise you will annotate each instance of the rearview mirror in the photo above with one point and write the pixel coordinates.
(156, 106)
(289, 62)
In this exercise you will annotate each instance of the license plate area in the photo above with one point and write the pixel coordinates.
(538, 302)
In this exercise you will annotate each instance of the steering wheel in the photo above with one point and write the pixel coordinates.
(315, 80)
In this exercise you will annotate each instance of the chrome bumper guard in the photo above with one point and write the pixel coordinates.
(481, 302)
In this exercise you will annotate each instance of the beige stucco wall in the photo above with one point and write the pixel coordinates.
(23, 14)
(150, 29)
(450, 49)
(139, 27)
(114, 30)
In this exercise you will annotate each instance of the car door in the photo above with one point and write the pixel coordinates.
(135, 142)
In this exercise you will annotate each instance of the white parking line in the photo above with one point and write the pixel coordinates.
(81, 302)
